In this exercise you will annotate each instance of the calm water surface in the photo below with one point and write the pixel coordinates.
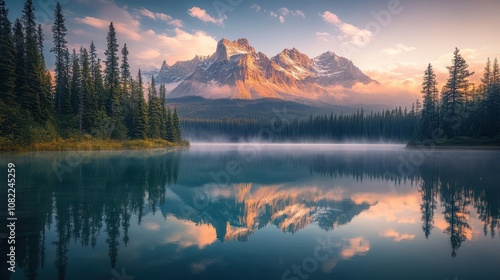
(257, 212)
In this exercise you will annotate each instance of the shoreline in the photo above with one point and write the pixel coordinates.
(67, 145)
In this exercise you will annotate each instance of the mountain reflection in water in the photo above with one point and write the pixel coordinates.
(126, 204)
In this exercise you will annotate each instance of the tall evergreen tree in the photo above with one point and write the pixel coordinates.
(493, 101)
(90, 102)
(34, 67)
(454, 95)
(40, 39)
(99, 85)
(428, 117)
(140, 120)
(76, 90)
(125, 68)
(163, 119)
(127, 102)
(7, 58)
(8, 103)
(177, 127)
(21, 84)
(170, 127)
(59, 32)
(155, 113)
(93, 59)
(112, 74)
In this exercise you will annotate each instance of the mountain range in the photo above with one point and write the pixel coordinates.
(237, 71)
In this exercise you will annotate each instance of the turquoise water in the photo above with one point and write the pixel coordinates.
(256, 212)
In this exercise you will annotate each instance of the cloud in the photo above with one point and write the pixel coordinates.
(398, 237)
(255, 7)
(400, 48)
(188, 234)
(153, 226)
(350, 33)
(160, 16)
(199, 267)
(298, 13)
(355, 246)
(203, 16)
(148, 48)
(324, 36)
(94, 22)
(283, 12)
(392, 208)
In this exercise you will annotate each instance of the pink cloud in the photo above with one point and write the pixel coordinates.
(350, 33)
(204, 16)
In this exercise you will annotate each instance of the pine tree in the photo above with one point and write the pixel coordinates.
(8, 103)
(59, 32)
(177, 127)
(93, 59)
(126, 79)
(76, 90)
(90, 102)
(7, 58)
(454, 96)
(34, 70)
(21, 84)
(125, 68)
(112, 75)
(40, 38)
(493, 102)
(140, 120)
(66, 108)
(155, 114)
(163, 119)
(428, 117)
(170, 127)
(99, 85)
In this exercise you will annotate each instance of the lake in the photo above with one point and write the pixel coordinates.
(248, 211)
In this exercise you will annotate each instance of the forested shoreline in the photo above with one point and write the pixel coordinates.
(80, 101)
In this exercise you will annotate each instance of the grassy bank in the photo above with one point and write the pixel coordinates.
(460, 143)
(72, 144)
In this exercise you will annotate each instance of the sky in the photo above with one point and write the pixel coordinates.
(390, 40)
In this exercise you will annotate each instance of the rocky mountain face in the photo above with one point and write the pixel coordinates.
(237, 70)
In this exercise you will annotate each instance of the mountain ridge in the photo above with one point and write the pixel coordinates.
(237, 70)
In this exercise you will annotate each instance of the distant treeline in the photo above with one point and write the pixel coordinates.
(81, 99)
(397, 125)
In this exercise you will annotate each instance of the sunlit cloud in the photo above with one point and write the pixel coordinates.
(398, 237)
(94, 22)
(349, 33)
(161, 17)
(188, 234)
(355, 246)
(148, 48)
(350, 248)
(396, 208)
(202, 15)
(399, 48)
